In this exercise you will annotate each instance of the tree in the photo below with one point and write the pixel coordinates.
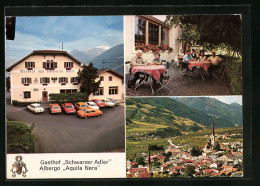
(189, 170)
(140, 160)
(217, 147)
(195, 151)
(211, 31)
(88, 77)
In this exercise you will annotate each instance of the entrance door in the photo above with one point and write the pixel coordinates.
(44, 96)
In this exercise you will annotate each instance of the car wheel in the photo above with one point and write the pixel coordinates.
(86, 117)
(99, 115)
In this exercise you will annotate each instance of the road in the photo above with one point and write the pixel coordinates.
(63, 133)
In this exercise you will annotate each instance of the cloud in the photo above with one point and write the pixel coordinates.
(76, 32)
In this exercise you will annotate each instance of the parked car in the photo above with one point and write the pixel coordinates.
(35, 107)
(81, 105)
(68, 108)
(108, 103)
(92, 104)
(54, 108)
(99, 103)
(117, 103)
(89, 112)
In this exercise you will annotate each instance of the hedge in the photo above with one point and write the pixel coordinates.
(23, 104)
(70, 98)
(234, 74)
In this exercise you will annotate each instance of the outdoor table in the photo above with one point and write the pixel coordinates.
(199, 64)
(202, 64)
(150, 71)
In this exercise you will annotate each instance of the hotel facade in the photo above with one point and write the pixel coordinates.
(43, 72)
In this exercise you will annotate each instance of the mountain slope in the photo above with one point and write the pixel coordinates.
(81, 56)
(113, 58)
(231, 112)
(94, 52)
(166, 112)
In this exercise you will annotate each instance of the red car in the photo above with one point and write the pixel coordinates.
(69, 108)
(99, 103)
(54, 108)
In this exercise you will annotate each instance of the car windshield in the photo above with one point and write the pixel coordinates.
(92, 104)
(99, 102)
(56, 107)
(83, 106)
(70, 106)
(37, 106)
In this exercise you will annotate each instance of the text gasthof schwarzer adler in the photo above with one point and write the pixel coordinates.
(72, 165)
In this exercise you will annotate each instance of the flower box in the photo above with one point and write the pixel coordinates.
(26, 84)
(63, 83)
(68, 68)
(44, 84)
(48, 68)
(75, 83)
(29, 68)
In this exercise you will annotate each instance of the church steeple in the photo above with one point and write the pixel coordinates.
(213, 136)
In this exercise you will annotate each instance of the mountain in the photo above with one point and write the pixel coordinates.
(154, 113)
(94, 52)
(86, 56)
(81, 56)
(112, 58)
(231, 112)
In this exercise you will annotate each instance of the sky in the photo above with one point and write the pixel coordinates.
(229, 99)
(76, 32)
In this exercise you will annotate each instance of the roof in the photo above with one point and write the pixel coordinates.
(154, 19)
(101, 71)
(59, 52)
(134, 170)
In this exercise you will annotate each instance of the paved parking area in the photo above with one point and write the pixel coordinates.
(182, 86)
(62, 133)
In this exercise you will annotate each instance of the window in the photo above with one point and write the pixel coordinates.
(29, 65)
(164, 36)
(101, 78)
(148, 32)
(49, 65)
(63, 80)
(26, 94)
(26, 81)
(68, 90)
(99, 92)
(68, 65)
(44, 80)
(153, 34)
(74, 80)
(110, 78)
(113, 90)
(139, 30)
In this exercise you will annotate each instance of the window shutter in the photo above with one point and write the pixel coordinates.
(55, 64)
(22, 80)
(41, 80)
(59, 80)
(66, 80)
(71, 64)
(26, 64)
(30, 80)
(65, 65)
(71, 79)
(33, 64)
(48, 80)
(44, 65)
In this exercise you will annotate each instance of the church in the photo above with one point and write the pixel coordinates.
(210, 145)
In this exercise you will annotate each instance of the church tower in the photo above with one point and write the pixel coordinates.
(212, 138)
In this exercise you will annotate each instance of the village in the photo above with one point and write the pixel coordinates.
(214, 160)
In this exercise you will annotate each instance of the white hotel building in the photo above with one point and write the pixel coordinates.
(43, 72)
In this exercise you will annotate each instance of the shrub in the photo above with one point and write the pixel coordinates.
(23, 104)
(71, 98)
(234, 74)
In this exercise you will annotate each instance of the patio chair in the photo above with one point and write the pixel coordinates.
(128, 76)
(219, 74)
(165, 80)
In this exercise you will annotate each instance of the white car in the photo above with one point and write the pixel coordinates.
(92, 105)
(108, 102)
(35, 107)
